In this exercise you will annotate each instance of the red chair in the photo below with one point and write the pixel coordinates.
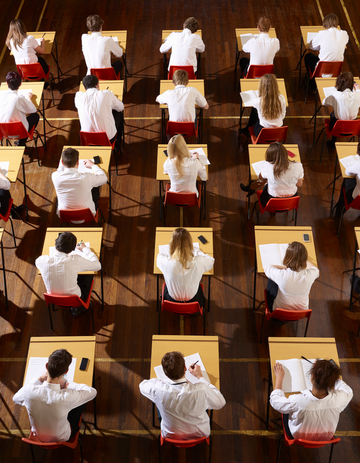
(7, 216)
(184, 443)
(309, 444)
(105, 73)
(182, 200)
(100, 139)
(323, 69)
(15, 131)
(80, 215)
(267, 136)
(355, 204)
(340, 129)
(256, 71)
(34, 73)
(186, 129)
(276, 205)
(188, 69)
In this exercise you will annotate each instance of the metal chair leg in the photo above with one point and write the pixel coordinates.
(51, 323)
(12, 228)
(307, 325)
(32, 453)
(81, 450)
(331, 452)
(159, 445)
(341, 219)
(262, 328)
(322, 149)
(92, 317)
(210, 446)
(279, 448)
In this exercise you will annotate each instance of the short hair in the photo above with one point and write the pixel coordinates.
(192, 24)
(94, 23)
(13, 80)
(296, 256)
(330, 20)
(180, 77)
(325, 374)
(264, 24)
(70, 157)
(173, 364)
(58, 363)
(65, 242)
(90, 81)
(345, 80)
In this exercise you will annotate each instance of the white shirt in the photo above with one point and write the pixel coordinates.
(311, 418)
(4, 184)
(183, 284)
(97, 50)
(184, 46)
(294, 287)
(48, 407)
(73, 188)
(331, 43)
(95, 111)
(346, 104)
(181, 103)
(262, 49)
(60, 272)
(270, 123)
(285, 185)
(191, 169)
(354, 171)
(183, 406)
(25, 54)
(14, 107)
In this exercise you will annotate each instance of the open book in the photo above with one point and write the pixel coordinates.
(246, 37)
(272, 254)
(311, 36)
(4, 167)
(349, 160)
(189, 360)
(36, 368)
(258, 167)
(329, 90)
(297, 374)
(52, 251)
(202, 156)
(249, 97)
(165, 248)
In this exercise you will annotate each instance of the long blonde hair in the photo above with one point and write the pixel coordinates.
(181, 247)
(17, 32)
(177, 149)
(269, 94)
(277, 154)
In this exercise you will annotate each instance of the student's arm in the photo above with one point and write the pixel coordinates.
(200, 100)
(25, 105)
(215, 400)
(40, 49)
(147, 388)
(345, 394)
(277, 398)
(203, 261)
(201, 169)
(89, 261)
(79, 394)
(248, 45)
(316, 42)
(115, 48)
(162, 99)
(200, 45)
(98, 176)
(274, 272)
(300, 182)
(329, 101)
(168, 43)
(115, 102)
(283, 106)
(4, 182)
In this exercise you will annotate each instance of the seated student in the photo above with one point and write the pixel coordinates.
(312, 415)
(289, 284)
(181, 101)
(351, 185)
(183, 269)
(97, 49)
(184, 45)
(99, 110)
(262, 49)
(5, 197)
(24, 47)
(15, 107)
(54, 405)
(182, 405)
(183, 167)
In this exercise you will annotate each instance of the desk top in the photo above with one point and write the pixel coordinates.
(161, 158)
(49, 40)
(207, 346)
(36, 88)
(163, 236)
(324, 82)
(12, 154)
(88, 152)
(121, 35)
(250, 30)
(115, 86)
(166, 33)
(168, 85)
(257, 153)
(78, 346)
(269, 235)
(343, 150)
(253, 84)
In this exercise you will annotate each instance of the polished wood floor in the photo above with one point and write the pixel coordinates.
(125, 328)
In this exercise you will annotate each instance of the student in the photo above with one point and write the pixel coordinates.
(5, 198)
(289, 284)
(312, 414)
(183, 167)
(97, 49)
(24, 47)
(262, 49)
(351, 185)
(53, 404)
(183, 269)
(184, 45)
(182, 406)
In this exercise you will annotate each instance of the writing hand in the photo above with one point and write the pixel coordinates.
(88, 163)
(43, 377)
(81, 246)
(63, 384)
(195, 155)
(196, 371)
(356, 86)
(28, 96)
(279, 371)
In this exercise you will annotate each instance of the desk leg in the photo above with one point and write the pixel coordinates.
(333, 188)
(162, 125)
(3, 266)
(299, 64)
(209, 294)
(316, 110)
(201, 125)
(125, 73)
(255, 271)
(44, 121)
(160, 205)
(198, 72)
(268, 397)
(94, 401)
(204, 196)
(26, 204)
(102, 280)
(353, 275)
(158, 292)
(237, 55)
(57, 63)
(165, 66)
(249, 195)
(110, 190)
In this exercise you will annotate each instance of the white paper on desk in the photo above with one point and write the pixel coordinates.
(36, 368)
(189, 360)
(297, 374)
(349, 160)
(52, 250)
(24, 91)
(39, 41)
(329, 90)
(249, 97)
(258, 167)
(115, 39)
(311, 36)
(82, 168)
(246, 37)
(4, 167)
(202, 156)
(165, 248)
(272, 254)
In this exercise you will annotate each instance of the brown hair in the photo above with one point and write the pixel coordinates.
(90, 81)
(269, 94)
(192, 24)
(277, 154)
(344, 81)
(173, 364)
(180, 77)
(324, 374)
(330, 20)
(181, 247)
(58, 363)
(94, 23)
(264, 24)
(70, 157)
(13, 79)
(177, 149)
(65, 242)
(17, 32)
(296, 257)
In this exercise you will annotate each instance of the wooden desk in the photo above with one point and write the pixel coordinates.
(3, 267)
(247, 30)
(115, 86)
(36, 88)
(14, 155)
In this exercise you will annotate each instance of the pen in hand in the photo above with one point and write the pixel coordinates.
(306, 359)
(107, 88)
(44, 34)
(193, 365)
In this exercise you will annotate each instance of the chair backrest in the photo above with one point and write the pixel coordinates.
(271, 135)
(188, 69)
(285, 314)
(181, 199)
(279, 204)
(13, 130)
(327, 69)
(94, 139)
(77, 215)
(346, 128)
(310, 444)
(256, 71)
(63, 301)
(32, 72)
(186, 129)
(184, 443)
(355, 203)
(5, 217)
(105, 73)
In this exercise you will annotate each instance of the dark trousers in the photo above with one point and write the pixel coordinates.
(74, 418)
(43, 64)
(199, 297)
(117, 67)
(33, 120)
(272, 290)
(254, 122)
(95, 193)
(244, 64)
(311, 61)
(4, 201)
(119, 124)
(84, 282)
(286, 425)
(332, 121)
(349, 184)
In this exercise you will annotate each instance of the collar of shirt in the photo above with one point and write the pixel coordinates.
(70, 169)
(180, 86)
(310, 396)
(187, 31)
(54, 386)
(96, 34)
(60, 254)
(181, 380)
(264, 35)
(92, 90)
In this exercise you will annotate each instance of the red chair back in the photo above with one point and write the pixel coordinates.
(325, 68)
(256, 71)
(15, 131)
(279, 204)
(188, 69)
(5, 217)
(343, 128)
(355, 203)
(105, 73)
(184, 443)
(32, 72)
(267, 136)
(285, 314)
(95, 139)
(77, 215)
(180, 308)
(65, 301)
(186, 129)
(182, 199)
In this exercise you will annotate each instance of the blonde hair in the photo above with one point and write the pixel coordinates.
(296, 256)
(17, 32)
(277, 154)
(180, 77)
(177, 150)
(269, 94)
(181, 247)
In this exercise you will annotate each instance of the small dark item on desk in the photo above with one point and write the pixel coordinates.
(290, 154)
(333, 362)
(97, 159)
(306, 238)
(202, 239)
(193, 365)
(165, 152)
(306, 359)
(83, 364)
(107, 88)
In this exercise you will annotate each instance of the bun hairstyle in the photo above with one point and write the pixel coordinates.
(325, 374)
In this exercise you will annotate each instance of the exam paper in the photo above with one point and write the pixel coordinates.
(165, 248)
(4, 167)
(189, 360)
(115, 39)
(202, 156)
(246, 37)
(249, 97)
(272, 254)
(329, 90)
(258, 167)
(36, 368)
(311, 36)
(349, 160)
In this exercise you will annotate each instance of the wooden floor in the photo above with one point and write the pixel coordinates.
(125, 328)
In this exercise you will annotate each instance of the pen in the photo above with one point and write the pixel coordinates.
(192, 366)
(107, 88)
(44, 34)
(306, 359)
(80, 242)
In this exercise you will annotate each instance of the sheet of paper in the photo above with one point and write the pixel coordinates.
(311, 36)
(25, 92)
(294, 380)
(349, 160)
(246, 37)
(39, 41)
(306, 368)
(115, 39)
(202, 156)
(272, 254)
(52, 250)
(258, 167)
(4, 167)
(165, 248)
(249, 97)
(283, 247)
(329, 90)
(36, 368)
(189, 360)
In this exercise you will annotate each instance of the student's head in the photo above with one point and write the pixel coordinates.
(180, 77)
(13, 79)
(330, 20)
(296, 257)
(58, 363)
(269, 94)
(90, 81)
(191, 24)
(264, 24)
(345, 80)
(94, 23)
(324, 375)
(65, 242)
(277, 154)
(70, 157)
(181, 247)
(177, 150)
(17, 32)
(173, 364)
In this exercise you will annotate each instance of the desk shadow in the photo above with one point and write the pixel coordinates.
(142, 92)
(221, 87)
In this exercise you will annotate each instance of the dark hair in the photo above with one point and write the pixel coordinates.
(264, 24)
(13, 80)
(325, 374)
(58, 363)
(345, 80)
(70, 157)
(65, 242)
(296, 256)
(180, 77)
(192, 24)
(330, 20)
(94, 23)
(90, 81)
(173, 364)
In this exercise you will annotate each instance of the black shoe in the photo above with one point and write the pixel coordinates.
(75, 311)
(245, 131)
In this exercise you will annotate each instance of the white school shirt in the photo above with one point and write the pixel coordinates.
(262, 49)
(14, 107)
(285, 185)
(354, 171)
(294, 287)
(95, 110)
(184, 46)
(270, 123)
(60, 272)
(311, 418)
(183, 406)
(97, 50)
(345, 104)
(187, 183)
(331, 43)
(183, 284)
(4, 184)
(25, 54)
(48, 407)
(181, 103)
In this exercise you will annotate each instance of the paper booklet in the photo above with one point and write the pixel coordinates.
(258, 167)
(189, 360)
(25, 91)
(246, 37)
(52, 251)
(165, 248)
(4, 167)
(297, 374)
(328, 90)
(115, 39)
(311, 36)
(349, 160)
(272, 254)
(82, 167)
(202, 156)
(249, 97)
(36, 368)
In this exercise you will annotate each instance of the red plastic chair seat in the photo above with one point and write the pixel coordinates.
(78, 215)
(105, 73)
(343, 128)
(15, 131)
(256, 71)
(182, 199)
(95, 139)
(275, 205)
(32, 72)
(326, 68)
(186, 129)
(269, 135)
(184, 443)
(188, 69)
(6, 217)
(181, 308)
